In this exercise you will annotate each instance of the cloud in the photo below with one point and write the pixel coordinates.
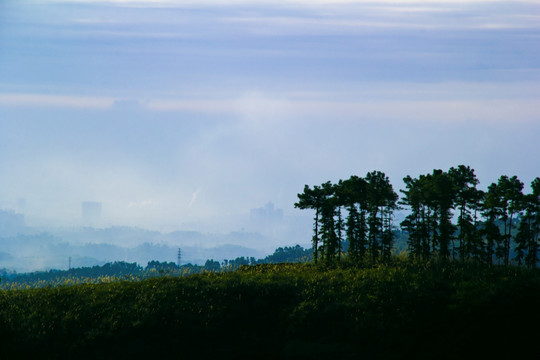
(161, 55)
(209, 106)
(484, 102)
(267, 2)
(446, 102)
(62, 101)
(127, 105)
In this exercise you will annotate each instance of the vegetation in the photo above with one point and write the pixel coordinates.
(120, 270)
(484, 229)
(403, 309)
(370, 203)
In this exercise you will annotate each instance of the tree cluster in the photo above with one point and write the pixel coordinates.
(369, 204)
(448, 218)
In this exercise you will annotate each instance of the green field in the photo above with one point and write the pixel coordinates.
(297, 311)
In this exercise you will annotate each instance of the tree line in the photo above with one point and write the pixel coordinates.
(449, 217)
(121, 270)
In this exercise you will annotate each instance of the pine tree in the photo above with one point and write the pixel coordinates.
(441, 196)
(340, 200)
(312, 199)
(511, 200)
(466, 196)
(412, 197)
(491, 211)
(381, 201)
(353, 191)
(529, 227)
(475, 243)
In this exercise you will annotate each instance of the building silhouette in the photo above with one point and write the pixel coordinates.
(267, 213)
(11, 223)
(267, 219)
(91, 213)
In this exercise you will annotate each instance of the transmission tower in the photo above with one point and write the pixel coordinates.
(179, 260)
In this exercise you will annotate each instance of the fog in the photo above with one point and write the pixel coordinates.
(179, 118)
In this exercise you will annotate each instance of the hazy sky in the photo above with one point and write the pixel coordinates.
(173, 112)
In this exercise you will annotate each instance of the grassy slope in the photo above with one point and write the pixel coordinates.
(284, 311)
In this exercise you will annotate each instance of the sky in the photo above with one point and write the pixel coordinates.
(178, 113)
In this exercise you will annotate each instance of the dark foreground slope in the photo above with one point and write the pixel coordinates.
(284, 311)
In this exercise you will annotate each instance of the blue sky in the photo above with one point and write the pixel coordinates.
(176, 112)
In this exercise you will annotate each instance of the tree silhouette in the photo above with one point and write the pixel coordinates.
(529, 227)
(353, 193)
(431, 198)
(510, 190)
(312, 199)
(381, 201)
(492, 210)
(329, 236)
(370, 203)
(466, 198)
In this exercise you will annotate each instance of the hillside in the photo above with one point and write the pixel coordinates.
(296, 311)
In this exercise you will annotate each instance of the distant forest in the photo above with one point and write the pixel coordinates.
(449, 218)
(121, 270)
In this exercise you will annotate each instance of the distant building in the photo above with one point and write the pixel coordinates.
(11, 223)
(266, 220)
(91, 213)
(266, 213)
